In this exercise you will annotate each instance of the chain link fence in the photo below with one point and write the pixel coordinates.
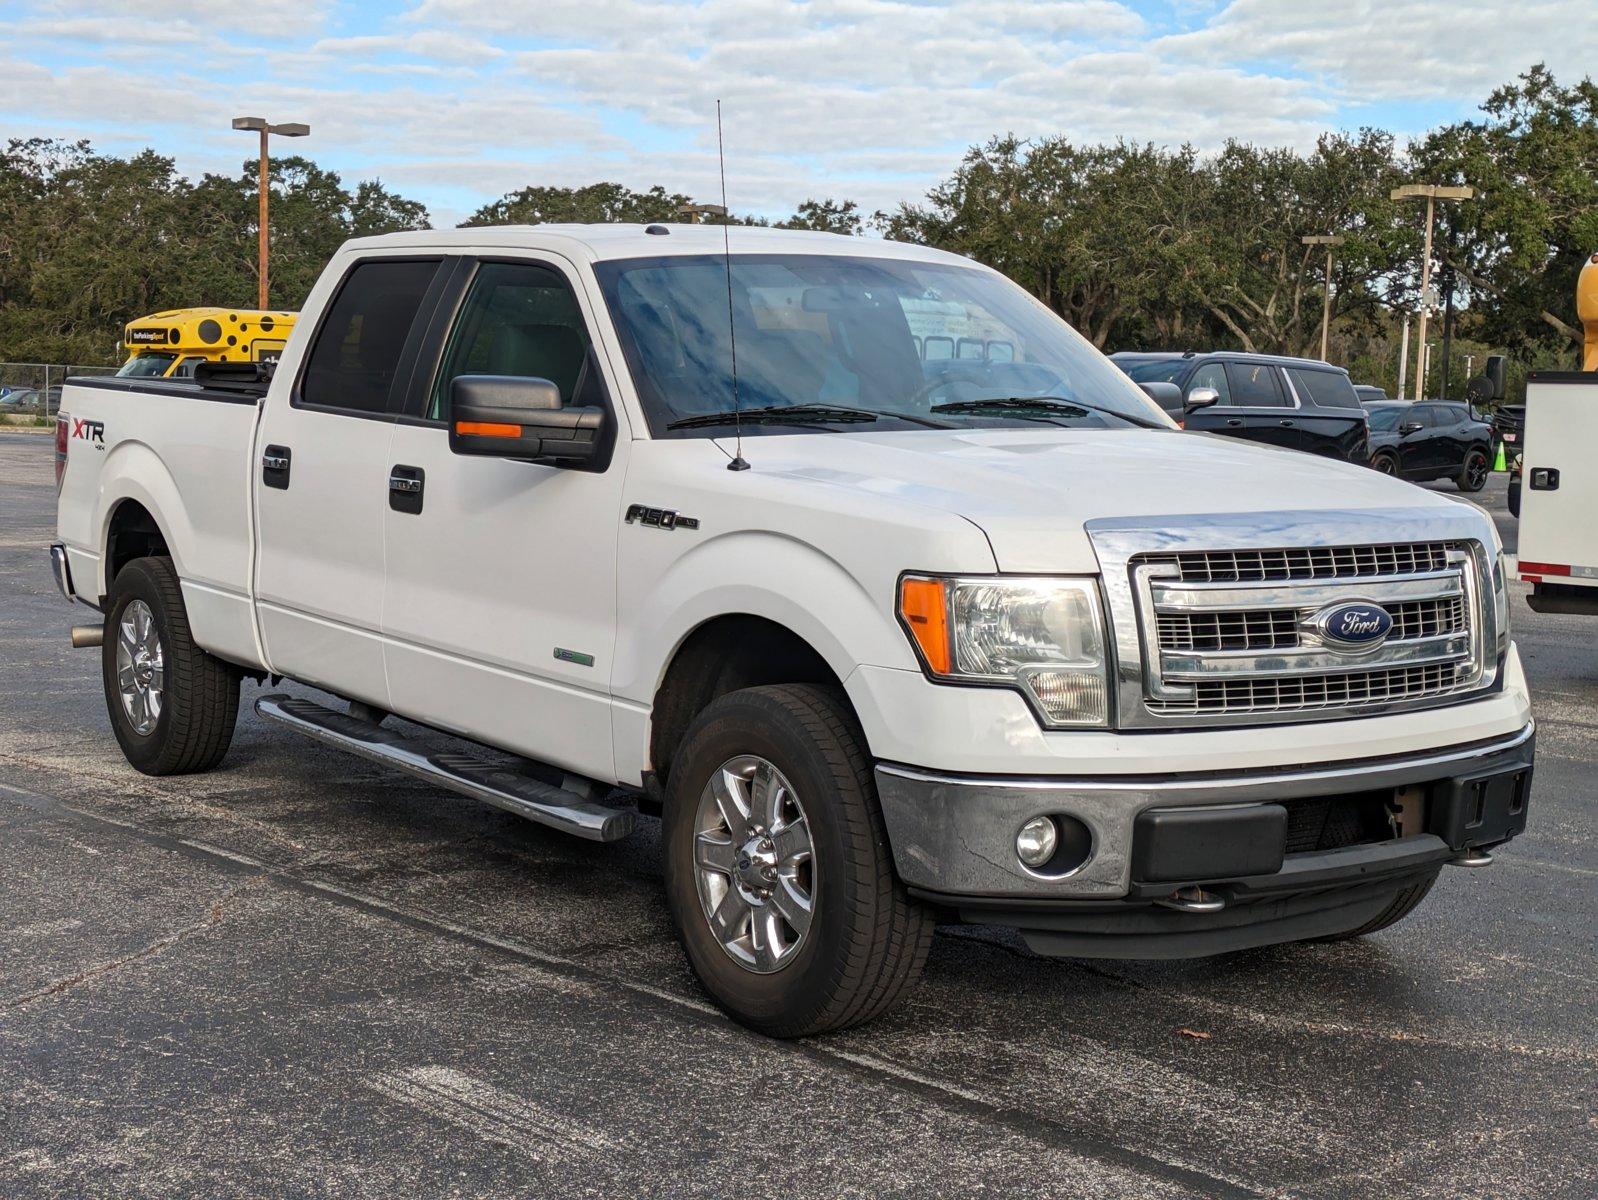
(33, 390)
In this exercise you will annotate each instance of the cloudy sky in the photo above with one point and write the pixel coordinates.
(454, 102)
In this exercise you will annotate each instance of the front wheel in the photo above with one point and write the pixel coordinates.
(1472, 475)
(778, 871)
(1386, 464)
(172, 705)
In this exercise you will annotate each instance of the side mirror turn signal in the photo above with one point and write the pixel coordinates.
(512, 416)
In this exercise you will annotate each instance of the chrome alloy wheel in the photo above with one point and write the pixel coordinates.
(141, 667)
(754, 864)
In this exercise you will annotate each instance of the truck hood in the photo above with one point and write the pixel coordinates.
(1031, 491)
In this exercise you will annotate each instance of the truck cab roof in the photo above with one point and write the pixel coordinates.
(598, 243)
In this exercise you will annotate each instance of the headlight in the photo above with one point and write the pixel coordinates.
(1043, 636)
(1501, 599)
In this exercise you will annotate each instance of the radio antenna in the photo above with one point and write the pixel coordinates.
(738, 463)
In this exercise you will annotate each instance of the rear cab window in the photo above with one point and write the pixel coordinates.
(354, 361)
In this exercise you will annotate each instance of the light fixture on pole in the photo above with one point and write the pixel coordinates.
(695, 214)
(260, 125)
(1331, 241)
(1431, 193)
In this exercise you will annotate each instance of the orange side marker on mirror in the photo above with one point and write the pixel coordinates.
(487, 429)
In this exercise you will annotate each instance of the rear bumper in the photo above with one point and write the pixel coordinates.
(62, 570)
(954, 842)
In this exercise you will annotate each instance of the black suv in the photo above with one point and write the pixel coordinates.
(1300, 403)
(1431, 439)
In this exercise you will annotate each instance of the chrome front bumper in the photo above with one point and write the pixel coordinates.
(953, 837)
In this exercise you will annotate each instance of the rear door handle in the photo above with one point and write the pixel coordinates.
(275, 463)
(1287, 424)
(405, 485)
(1234, 422)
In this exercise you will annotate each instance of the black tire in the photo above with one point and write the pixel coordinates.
(1473, 473)
(199, 693)
(1404, 901)
(867, 940)
(1387, 464)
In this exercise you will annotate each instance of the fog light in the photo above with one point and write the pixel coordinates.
(1037, 841)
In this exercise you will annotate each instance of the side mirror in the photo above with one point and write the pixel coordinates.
(511, 416)
(1167, 395)
(1409, 427)
(1201, 397)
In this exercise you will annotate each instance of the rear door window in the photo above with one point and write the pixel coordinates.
(1256, 385)
(1324, 389)
(357, 351)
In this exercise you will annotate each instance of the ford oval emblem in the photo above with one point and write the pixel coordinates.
(1355, 625)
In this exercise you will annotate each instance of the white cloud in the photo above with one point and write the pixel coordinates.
(458, 101)
(1376, 50)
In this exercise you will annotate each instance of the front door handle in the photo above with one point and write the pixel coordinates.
(1287, 424)
(275, 463)
(1234, 423)
(405, 485)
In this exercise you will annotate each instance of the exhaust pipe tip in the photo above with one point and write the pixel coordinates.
(86, 636)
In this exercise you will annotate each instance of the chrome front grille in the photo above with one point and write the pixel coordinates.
(1309, 562)
(1262, 629)
(1427, 618)
(1316, 692)
(1281, 629)
(1224, 619)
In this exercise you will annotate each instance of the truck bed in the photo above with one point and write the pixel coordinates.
(179, 449)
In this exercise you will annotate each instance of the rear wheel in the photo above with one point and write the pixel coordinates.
(172, 705)
(1473, 474)
(778, 869)
(1404, 901)
(1386, 464)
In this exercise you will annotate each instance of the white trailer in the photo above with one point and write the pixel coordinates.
(1559, 492)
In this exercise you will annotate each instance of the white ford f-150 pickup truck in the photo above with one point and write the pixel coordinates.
(893, 596)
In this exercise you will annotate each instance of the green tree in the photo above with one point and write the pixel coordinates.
(597, 203)
(1520, 243)
(826, 216)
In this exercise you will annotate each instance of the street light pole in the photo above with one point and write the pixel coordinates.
(259, 125)
(1331, 242)
(1403, 358)
(1432, 192)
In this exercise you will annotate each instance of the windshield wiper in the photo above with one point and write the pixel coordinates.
(803, 414)
(1039, 407)
(779, 414)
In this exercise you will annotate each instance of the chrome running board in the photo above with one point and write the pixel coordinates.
(494, 783)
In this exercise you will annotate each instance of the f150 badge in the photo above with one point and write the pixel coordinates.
(1356, 627)
(93, 431)
(659, 518)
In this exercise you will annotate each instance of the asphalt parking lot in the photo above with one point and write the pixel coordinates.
(303, 975)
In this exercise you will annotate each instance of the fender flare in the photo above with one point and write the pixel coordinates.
(133, 471)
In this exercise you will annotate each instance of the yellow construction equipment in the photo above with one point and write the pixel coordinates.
(169, 345)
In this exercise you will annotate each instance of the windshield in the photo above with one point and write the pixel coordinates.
(1154, 370)
(147, 366)
(915, 343)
